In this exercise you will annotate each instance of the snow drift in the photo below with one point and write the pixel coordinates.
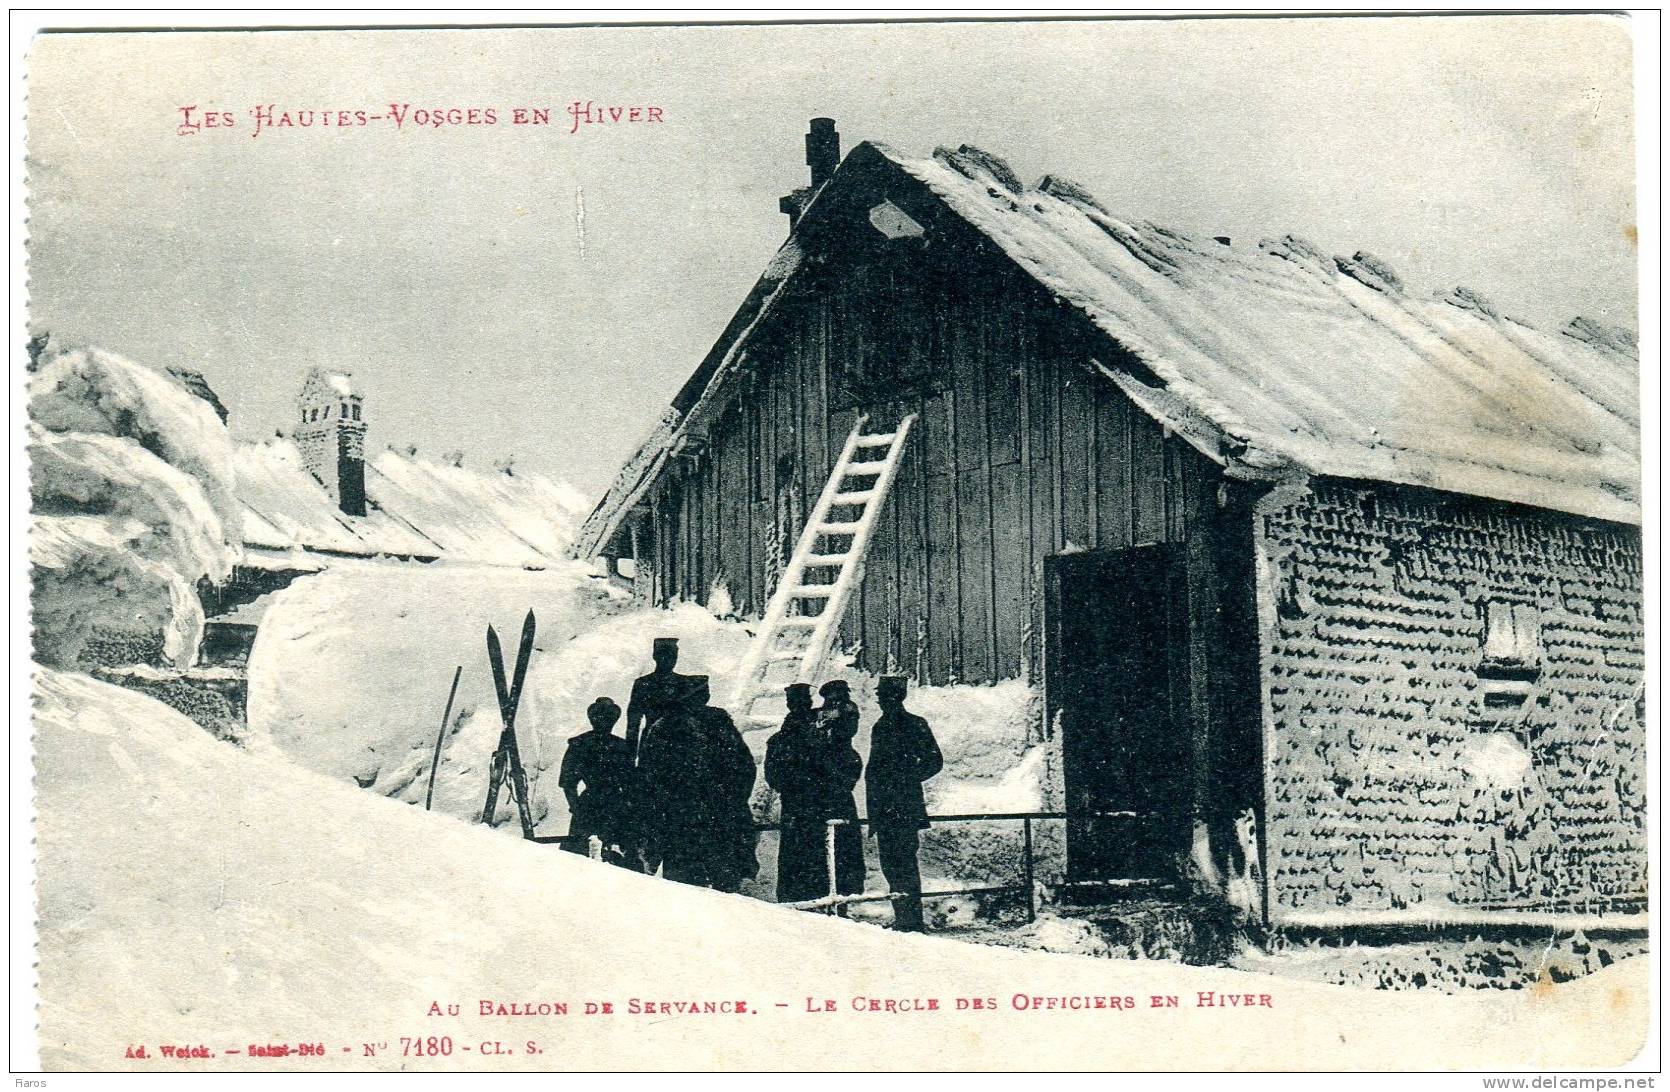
(350, 672)
(193, 892)
(132, 489)
(99, 392)
(97, 600)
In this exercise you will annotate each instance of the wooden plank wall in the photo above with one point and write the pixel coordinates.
(1020, 452)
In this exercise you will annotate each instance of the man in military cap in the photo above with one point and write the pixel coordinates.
(840, 767)
(654, 695)
(793, 767)
(599, 781)
(698, 774)
(903, 754)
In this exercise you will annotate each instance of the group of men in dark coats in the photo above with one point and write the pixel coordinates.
(674, 793)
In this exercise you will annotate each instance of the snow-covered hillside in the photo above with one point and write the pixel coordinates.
(193, 892)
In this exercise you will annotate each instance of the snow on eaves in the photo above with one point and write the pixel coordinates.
(416, 508)
(1328, 364)
(114, 479)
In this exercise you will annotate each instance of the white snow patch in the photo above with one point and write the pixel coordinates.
(992, 761)
(1498, 761)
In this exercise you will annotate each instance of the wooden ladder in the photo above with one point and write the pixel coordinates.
(792, 642)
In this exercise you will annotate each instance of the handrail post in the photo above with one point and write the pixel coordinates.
(830, 827)
(1026, 851)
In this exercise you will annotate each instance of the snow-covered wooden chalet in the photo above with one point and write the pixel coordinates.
(1334, 590)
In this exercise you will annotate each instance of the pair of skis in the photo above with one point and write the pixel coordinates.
(507, 759)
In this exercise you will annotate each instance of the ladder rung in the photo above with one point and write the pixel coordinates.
(826, 560)
(786, 654)
(863, 496)
(763, 721)
(838, 528)
(800, 621)
(880, 439)
(864, 470)
(813, 591)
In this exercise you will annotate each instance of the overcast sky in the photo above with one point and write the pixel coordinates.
(513, 289)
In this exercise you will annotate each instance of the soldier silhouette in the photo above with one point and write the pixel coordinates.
(903, 754)
(600, 783)
(838, 775)
(793, 767)
(656, 694)
(653, 697)
(697, 775)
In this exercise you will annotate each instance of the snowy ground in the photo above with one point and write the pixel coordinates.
(194, 892)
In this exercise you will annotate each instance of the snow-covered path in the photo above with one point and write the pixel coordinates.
(191, 892)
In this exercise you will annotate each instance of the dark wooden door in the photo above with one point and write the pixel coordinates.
(1117, 677)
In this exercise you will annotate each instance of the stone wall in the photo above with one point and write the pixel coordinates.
(1453, 708)
(216, 699)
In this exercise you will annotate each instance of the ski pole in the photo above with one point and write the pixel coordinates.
(446, 716)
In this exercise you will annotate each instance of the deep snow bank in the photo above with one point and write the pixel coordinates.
(350, 672)
(98, 392)
(133, 496)
(190, 891)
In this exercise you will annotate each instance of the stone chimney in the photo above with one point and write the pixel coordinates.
(331, 437)
(823, 155)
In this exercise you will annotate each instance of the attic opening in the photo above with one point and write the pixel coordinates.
(894, 222)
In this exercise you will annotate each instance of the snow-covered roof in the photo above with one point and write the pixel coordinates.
(416, 508)
(1277, 358)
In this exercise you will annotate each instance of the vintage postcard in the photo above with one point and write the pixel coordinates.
(1080, 544)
